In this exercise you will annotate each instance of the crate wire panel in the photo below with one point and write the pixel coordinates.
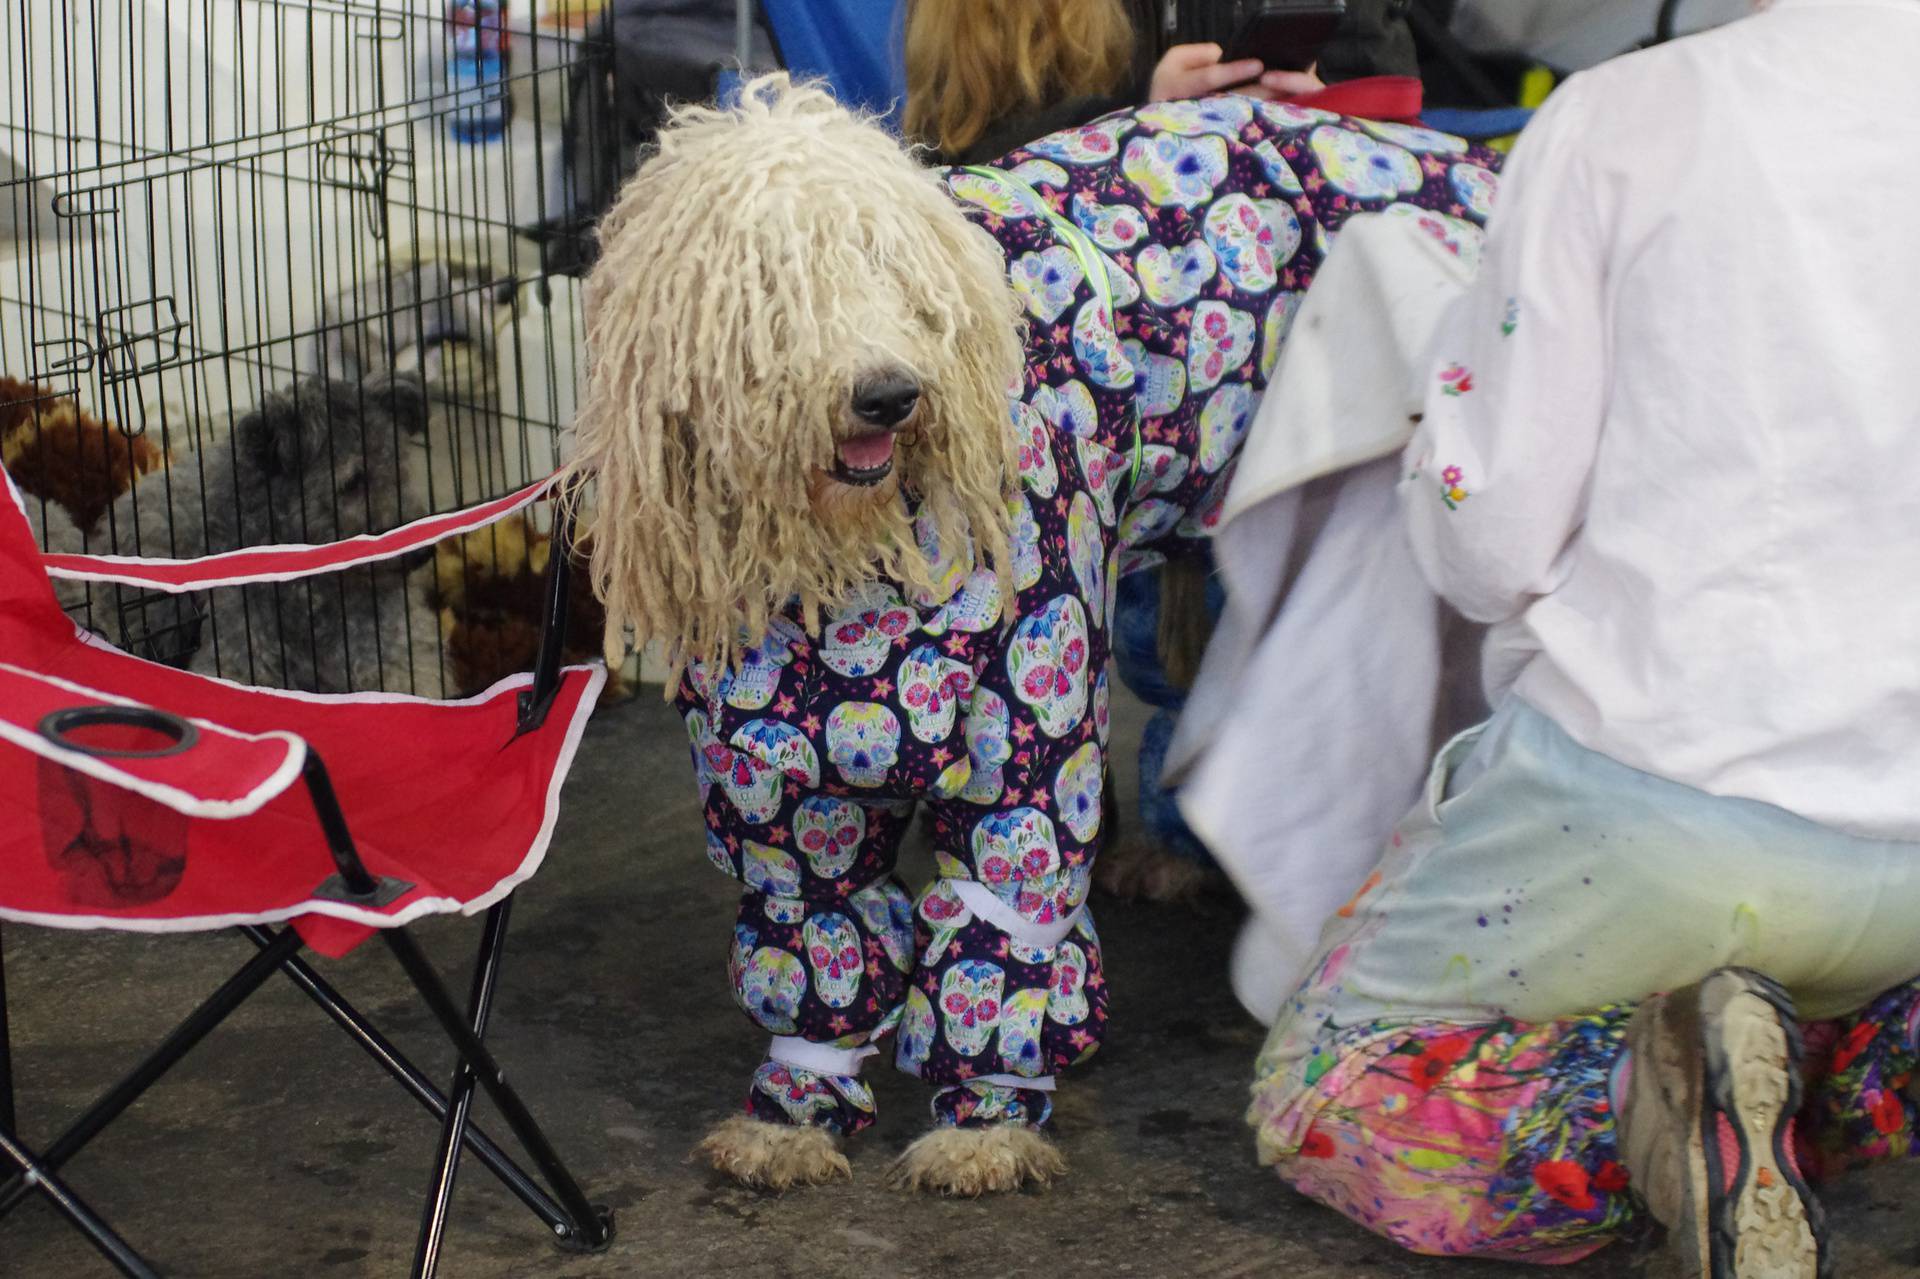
(211, 202)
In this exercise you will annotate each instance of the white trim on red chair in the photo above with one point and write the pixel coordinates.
(293, 752)
(254, 564)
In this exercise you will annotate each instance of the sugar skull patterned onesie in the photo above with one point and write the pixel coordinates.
(1208, 220)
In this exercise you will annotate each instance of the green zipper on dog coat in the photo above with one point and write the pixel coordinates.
(1092, 261)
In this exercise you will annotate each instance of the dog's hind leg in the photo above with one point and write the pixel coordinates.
(1163, 620)
(1155, 858)
(1141, 868)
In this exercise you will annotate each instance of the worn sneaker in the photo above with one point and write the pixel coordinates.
(1706, 1130)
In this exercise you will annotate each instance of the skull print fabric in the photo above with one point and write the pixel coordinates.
(1209, 220)
(986, 1010)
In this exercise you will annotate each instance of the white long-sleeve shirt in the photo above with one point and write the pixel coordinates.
(1673, 438)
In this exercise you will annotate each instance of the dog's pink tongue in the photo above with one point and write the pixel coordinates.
(866, 452)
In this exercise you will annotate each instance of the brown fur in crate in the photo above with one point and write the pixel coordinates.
(492, 586)
(18, 402)
(58, 452)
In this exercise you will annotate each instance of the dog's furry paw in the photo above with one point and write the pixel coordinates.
(971, 1162)
(1139, 869)
(774, 1156)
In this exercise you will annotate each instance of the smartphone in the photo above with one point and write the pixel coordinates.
(1285, 35)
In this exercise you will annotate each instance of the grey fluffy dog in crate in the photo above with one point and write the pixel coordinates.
(410, 317)
(321, 461)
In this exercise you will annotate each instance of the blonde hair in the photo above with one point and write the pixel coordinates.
(971, 63)
(759, 263)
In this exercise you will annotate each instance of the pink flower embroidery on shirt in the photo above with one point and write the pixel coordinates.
(1456, 379)
(1450, 491)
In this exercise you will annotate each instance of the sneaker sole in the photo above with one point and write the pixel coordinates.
(1763, 1219)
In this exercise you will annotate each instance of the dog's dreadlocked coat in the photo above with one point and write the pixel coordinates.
(853, 652)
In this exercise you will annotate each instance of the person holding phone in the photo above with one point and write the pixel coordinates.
(985, 76)
(1649, 945)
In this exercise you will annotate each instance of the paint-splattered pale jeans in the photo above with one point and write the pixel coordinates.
(1441, 1077)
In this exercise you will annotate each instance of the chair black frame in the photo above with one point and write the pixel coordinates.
(577, 1224)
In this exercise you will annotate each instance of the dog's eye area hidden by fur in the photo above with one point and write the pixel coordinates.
(879, 406)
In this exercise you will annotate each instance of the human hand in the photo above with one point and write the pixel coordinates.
(1287, 84)
(1195, 70)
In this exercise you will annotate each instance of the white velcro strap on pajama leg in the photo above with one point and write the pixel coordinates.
(1039, 1083)
(982, 901)
(821, 1059)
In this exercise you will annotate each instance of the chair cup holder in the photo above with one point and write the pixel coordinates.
(113, 849)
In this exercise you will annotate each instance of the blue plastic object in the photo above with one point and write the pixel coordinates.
(477, 69)
(854, 44)
(1477, 126)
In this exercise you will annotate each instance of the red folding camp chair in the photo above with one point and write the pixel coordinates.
(143, 798)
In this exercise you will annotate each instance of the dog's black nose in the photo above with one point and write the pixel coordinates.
(885, 401)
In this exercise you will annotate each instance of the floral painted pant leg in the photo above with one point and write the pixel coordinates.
(1861, 1106)
(990, 1018)
(1452, 1140)
(1498, 1140)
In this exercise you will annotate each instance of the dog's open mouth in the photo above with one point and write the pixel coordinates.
(864, 459)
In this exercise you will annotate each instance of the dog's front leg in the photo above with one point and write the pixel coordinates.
(825, 978)
(821, 949)
(1000, 1003)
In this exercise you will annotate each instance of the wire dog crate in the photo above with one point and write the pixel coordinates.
(290, 270)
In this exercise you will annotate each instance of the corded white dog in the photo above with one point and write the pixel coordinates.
(871, 444)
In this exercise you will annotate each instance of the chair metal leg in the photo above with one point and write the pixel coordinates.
(591, 1227)
(410, 1077)
(176, 1045)
(75, 1209)
(7, 1119)
(446, 1163)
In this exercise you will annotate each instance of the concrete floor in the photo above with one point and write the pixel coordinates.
(277, 1149)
